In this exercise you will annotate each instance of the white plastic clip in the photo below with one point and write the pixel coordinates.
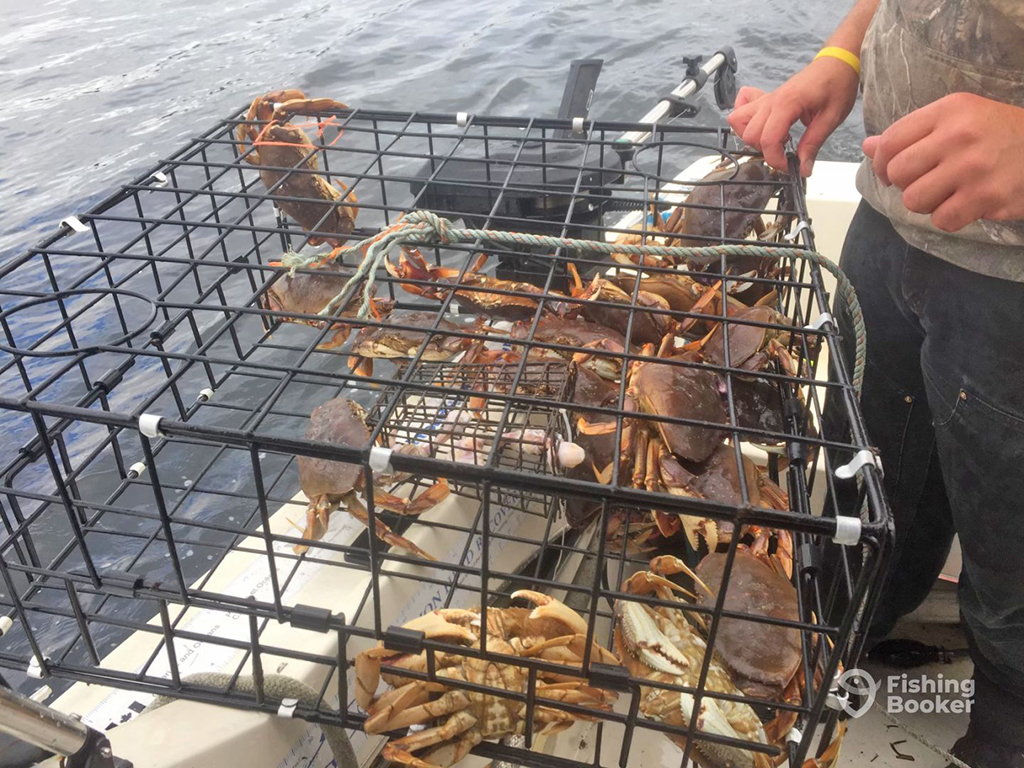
(820, 320)
(287, 708)
(6, 622)
(570, 454)
(380, 459)
(861, 460)
(577, 125)
(800, 227)
(149, 425)
(795, 735)
(75, 223)
(41, 694)
(838, 700)
(461, 119)
(204, 395)
(847, 530)
(34, 670)
(159, 179)
(136, 469)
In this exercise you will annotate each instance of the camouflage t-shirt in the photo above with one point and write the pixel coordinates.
(917, 51)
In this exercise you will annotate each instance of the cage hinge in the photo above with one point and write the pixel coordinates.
(310, 617)
(462, 119)
(136, 470)
(149, 425)
(577, 125)
(32, 450)
(404, 640)
(205, 395)
(159, 179)
(819, 321)
(608, 677)
(796, 452)
(862, 459)
(287, 708)
(808, 559)
(795, 735)
(109, 380)
(6, 622)
(122, 584)
(847, 530)
(74, 223)
(801, 226)
(380, 459)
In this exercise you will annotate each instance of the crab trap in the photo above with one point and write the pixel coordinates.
(271, 409)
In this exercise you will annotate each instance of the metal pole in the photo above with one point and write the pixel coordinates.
(686, 89)
(38, 724)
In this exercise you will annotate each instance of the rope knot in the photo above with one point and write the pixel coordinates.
(427, 227)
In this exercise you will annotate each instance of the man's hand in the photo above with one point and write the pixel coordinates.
(960, 158)
(820, 95)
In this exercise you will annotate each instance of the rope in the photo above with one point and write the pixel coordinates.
(426, 228)
(275, 687)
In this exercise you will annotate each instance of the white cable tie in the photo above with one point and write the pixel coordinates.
(159, 179)
(794, 735)
(149, 425)
(461, 119)
(847, 530)
(137, 468)
(74, 223)
(453, 308)
(577, 125)
(6, 622)
(820, 320)
(204, 395)
(287, 708)
(800, 227)
(837, 701)
(41, 694)
(34, 670)
(859, 461)
(380, 459)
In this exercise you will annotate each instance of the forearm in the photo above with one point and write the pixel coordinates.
(850, 32)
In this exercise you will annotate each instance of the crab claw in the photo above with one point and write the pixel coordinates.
(548, 607)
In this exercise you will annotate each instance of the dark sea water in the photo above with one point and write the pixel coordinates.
(95, 91)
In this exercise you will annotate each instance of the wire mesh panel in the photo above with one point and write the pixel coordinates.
(209, 410)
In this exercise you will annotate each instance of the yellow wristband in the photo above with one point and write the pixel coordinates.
(843, 55)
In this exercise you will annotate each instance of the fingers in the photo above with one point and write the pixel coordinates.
(776, 130)
(870, 145)
(915, 161)
(928, 193)
(746, 107)
(900, 135)
(957, 211)
(746, 95)
(819, 129)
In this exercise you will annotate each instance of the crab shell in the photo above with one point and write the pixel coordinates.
(764, 656)
(745, 341)
(738, 224)
(387, 341)
(675, 391)
(340, 421)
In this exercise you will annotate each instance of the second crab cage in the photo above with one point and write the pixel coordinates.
(158, 385)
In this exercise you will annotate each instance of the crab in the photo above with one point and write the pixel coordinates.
(328, 484)
(752, 347)
(550, 631)
(287, 162)
(596, 347)
(306, 293)
(436, 282)
(395, 340)
(648, 327)
(659, 645)
(667, 645)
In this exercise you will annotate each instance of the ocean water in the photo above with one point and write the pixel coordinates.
(97, 91)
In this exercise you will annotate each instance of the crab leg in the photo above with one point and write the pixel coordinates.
(400, 750)
(383, 531)
(318, 514)
(426, 500)
(401, 715)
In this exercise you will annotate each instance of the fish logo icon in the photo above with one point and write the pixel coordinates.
(859, 683)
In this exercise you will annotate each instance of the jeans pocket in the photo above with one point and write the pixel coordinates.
(887, 408)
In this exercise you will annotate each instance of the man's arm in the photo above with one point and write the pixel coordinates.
(820, 95)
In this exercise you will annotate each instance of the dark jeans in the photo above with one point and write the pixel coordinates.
(943, 401)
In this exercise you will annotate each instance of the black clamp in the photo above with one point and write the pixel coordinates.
(95, 753)
(121, 583)
(404, 640)
(808, 559)
(310, 617)
(609, 677)
(681, 107)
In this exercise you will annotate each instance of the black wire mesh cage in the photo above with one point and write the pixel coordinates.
(612, 460)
